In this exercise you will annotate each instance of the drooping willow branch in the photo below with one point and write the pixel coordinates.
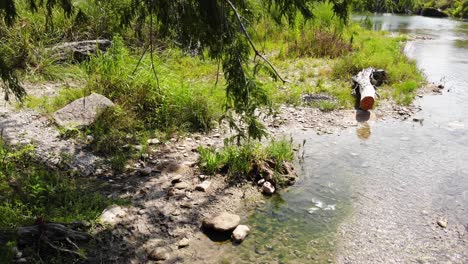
(257, 53)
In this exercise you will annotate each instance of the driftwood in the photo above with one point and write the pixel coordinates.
(365, 83)
(57, 236)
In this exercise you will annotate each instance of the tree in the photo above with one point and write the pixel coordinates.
(217, 26)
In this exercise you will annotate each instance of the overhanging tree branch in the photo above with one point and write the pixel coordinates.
(257, 53)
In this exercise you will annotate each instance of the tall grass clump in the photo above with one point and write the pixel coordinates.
(375, 49)
(323, 36)
(244, 162)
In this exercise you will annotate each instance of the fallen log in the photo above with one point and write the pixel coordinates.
(365, 83)
(53, 231)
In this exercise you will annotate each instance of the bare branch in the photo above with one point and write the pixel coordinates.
(257, 53)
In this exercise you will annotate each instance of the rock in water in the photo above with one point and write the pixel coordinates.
(82, 112)
(223, 222)
(268, 188)
(240, 233)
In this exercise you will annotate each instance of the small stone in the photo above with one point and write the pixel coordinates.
(202, 177)
(240, 233)
(176, 179)
(261, 182)
(181, 185)
(89, 138)
(153, 141)
(217, 135)
(138, 147)
(183, 243)
(158, 254)
(144, 156)
(268, 188)
(442, 223)
(171, 192)
(146, 171)
(203, 187)
(222, 222)
(112, 214)
(141, 211)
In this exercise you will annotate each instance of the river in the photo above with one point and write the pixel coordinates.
(374, 194)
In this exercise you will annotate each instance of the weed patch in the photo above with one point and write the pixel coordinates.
(249, 161)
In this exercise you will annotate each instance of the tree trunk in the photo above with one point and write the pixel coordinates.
(365, 81)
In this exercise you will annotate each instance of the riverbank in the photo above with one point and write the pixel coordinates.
(142, 154)
(160, 215)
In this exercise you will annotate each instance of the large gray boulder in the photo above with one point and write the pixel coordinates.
(79, 50)
(222, 222)
(82, 112)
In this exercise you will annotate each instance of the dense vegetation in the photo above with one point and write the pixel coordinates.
(455, 8)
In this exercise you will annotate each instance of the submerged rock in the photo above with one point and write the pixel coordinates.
(240, 233)
(222, 222)
(82, 112)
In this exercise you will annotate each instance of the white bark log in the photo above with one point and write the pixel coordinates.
(366, 89)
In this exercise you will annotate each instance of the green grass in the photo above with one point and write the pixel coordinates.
(376, 49)
(29, 190)
(237, 162)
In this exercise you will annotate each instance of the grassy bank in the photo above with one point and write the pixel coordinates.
(175, 92)
(33, 193)
(186, 93)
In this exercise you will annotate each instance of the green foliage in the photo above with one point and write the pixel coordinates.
(49, 104)
(404, 92)
(30, 190)
(237, 161)
(374, 49)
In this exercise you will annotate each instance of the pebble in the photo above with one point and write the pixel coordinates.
(203, 187)
(268, 188)
(153, 141)
(181, 185)
(183, 243)
(146, 171)
(261, 182)
(138, 147)
(442, 223)
(176, 179)
(240, 233)
(158, 254)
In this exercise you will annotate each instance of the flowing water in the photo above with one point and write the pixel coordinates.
(374, 193)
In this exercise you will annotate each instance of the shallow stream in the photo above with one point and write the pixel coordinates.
(374, 193)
